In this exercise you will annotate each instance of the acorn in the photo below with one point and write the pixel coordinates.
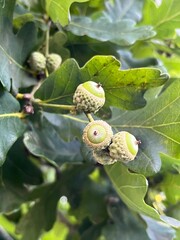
(97, 135)
(89, 97)
(103, 157)
(53, 61)
(37, 62)
(124, 147)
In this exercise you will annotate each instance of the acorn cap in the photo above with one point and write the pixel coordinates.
(124, 147)
(37, 62)
(97, 134)
(53, 61)
(103, 157)
(89, 97)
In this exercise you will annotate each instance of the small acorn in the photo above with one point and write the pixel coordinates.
(124, 147)
(97, 134)
(103, 157)
(53, 61)
(89, 97)
(37, 62)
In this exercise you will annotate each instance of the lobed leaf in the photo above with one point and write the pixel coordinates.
(56, 140)
(59, 11)
(123, 88)
(14, 49)
(132, 188)
(11, 127)
(122, 32)
(156, 125)
(117, 10)
(42, 214)
(166, 17)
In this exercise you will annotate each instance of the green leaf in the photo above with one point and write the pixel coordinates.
(11, 127)
(170, 163)
(14, 49)
(132, 188)
(124, 223)
(41, 215)
(59, 231)
(170, 186)
(166, 17)
(59, 11)
(123, 32)
(56, 139)
(156, 125)
(123, 88)
(56, 45)
(6, 9)
(97, 213)
(17, 172)
(59, 87)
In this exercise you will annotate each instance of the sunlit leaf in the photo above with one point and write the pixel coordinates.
(131, 188)
(123, 88)
(59, 11)
(166, 17)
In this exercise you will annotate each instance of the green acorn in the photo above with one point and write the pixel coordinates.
(97, 134)
(89, 97)
(124, 147)
(53, 61)
(37, 62)
(103, 157)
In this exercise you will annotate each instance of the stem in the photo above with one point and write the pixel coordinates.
(47, 38)
(58, 106)
(89, 116)
(18, 115)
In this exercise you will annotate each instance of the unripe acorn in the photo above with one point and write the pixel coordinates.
(124, 147)
(53, 61)
(103, 157)
(97, 134)
(37, 62)
(89, 97)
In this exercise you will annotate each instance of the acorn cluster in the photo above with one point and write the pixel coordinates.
(107, 147)
(38, 62)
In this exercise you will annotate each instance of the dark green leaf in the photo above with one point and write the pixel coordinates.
(56, 141)
(56, 45)
(156, 125)
(14, 49)
(6, 9)
(123, 88)
(123, 32)
(123, 224)
(132, 188)
(59, 87)
(11, 127)
(41, 215)
(17, 172)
